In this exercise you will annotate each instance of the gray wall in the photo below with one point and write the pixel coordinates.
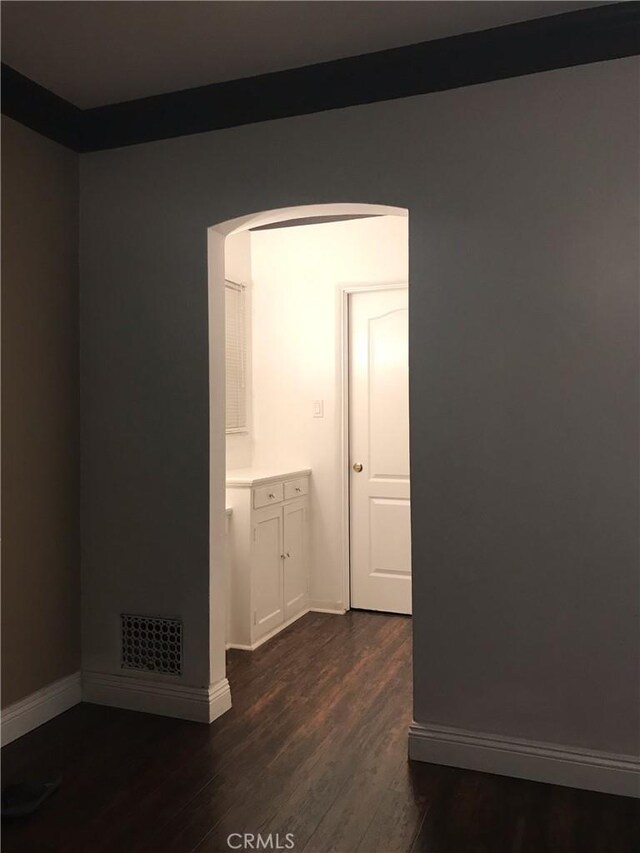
(523, 217)
(40, 413)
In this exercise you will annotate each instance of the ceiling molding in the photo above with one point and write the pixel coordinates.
(558, 41)
(41, 110)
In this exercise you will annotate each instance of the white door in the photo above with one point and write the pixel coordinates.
(295, 569)
(268, 542)
(379, 443)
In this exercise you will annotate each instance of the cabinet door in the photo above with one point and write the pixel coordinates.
(267, 570)
(295, 562)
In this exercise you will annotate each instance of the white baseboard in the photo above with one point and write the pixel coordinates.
(246, 648)
(200, 704)
(40, 707)
(219, 699)
(319, 605)
(542, 762)
(334, 608)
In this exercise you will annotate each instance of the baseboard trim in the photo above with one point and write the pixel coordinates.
(251, 648)
(199, 704)
(40, 707)
(524, 759)
(331, 610)
(338, 610)
(219, 699)
(318, 605)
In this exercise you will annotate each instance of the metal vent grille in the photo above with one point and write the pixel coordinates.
(152, 644)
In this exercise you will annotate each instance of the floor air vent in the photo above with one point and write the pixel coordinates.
(151, 644)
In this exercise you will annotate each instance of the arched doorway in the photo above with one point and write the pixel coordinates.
(217, 236)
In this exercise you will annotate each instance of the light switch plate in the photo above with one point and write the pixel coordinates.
(318, 408)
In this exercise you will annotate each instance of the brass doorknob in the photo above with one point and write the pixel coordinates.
(357, 467)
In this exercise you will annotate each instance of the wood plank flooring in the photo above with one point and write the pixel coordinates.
(315, 745)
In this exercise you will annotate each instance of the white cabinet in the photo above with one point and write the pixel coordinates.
(268, 553)
(267, 571)
(296, 575)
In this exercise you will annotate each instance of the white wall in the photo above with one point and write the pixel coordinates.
(237, 267)
(296, 359)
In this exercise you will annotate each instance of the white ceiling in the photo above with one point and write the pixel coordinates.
(96, 52)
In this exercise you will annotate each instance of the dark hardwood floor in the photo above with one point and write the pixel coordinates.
(315, 745)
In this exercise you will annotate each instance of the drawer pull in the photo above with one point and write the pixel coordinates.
(268, 495)
(295, 489)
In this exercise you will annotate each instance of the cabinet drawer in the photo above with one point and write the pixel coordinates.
(265, 495)
(296, 488)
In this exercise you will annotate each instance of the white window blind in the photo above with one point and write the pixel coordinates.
(235, 357)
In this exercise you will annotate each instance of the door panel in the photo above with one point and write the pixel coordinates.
(390, 524)
(379, 441)
(388, 390)
(268, 580)
(295, 568)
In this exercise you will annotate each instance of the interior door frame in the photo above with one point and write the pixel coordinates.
(344, 294)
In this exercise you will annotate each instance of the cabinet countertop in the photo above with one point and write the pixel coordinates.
(248, 477)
